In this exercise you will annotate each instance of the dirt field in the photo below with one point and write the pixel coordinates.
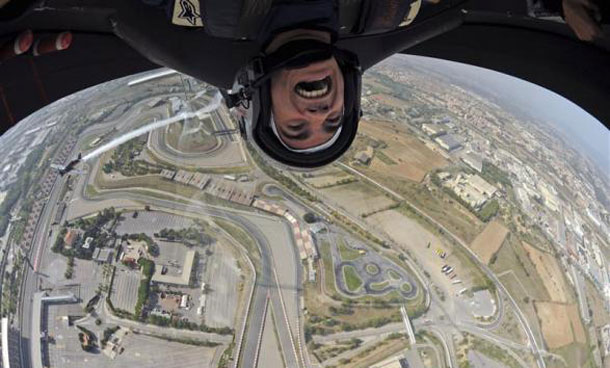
(403, 230)
(596, 304)
(577, 327)
(487, 243)
(323, 180)
(388, 100)
(560, 323)
(358, 198)
(413, 158)
(550, 273)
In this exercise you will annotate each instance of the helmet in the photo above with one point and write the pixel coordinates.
(252, 92)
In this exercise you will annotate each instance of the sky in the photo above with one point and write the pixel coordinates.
(589, 135)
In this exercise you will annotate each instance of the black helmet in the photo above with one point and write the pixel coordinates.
(252, 92)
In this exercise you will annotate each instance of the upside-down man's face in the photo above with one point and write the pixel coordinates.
(307, 103)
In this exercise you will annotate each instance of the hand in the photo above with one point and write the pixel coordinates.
(581, 17)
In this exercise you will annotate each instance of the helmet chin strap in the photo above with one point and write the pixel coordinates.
(317, 148)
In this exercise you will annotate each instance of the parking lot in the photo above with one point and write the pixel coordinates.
(140, 351)
(125, 288)
(172, 256)
(222, 278)
(150, 222)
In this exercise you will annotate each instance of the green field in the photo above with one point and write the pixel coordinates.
(394, 275)
(512, 257)
(380, 285)
(384, 158)
(352, 279)
(406, 287)
(372, 269)
(347, 253)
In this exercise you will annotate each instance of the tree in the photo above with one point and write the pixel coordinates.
(310, 218)
(153, 249)
(147, 208)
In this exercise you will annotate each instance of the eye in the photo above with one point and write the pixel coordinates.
(295, 127)
(334, 120)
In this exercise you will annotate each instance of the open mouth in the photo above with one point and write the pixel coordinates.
(314, 89)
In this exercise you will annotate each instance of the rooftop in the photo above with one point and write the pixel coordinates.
(183, 278)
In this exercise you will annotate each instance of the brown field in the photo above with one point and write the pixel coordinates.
(413, 157)
(596, 304)
(561, 324)
(411, 236)
(550, 273)
(555, 323)
(487, 243)
(577, 328)
(357, 198)
(388, 100)
(327, 180)
(403, 230)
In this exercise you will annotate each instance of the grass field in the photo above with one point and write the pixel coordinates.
(376, 353)
(384, 158)
(492, 351)
(358, 198)
(328, 177)
(406, 287)
(487, 243)
(575, 355)
(394, 275)
(380, 285)
(372, 269)
(512, 258)
(352, 279)
(347, 253)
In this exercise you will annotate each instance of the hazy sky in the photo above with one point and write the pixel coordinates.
(588, 133)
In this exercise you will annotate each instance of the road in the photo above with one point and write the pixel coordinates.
(266, 282)
(30, 279)
(227, 152)
(109, 318)
(488, 272)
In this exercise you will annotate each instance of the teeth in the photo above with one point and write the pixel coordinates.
(312, 94)
(313, 89)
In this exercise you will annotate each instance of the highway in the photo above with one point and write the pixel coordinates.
(30, 279)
